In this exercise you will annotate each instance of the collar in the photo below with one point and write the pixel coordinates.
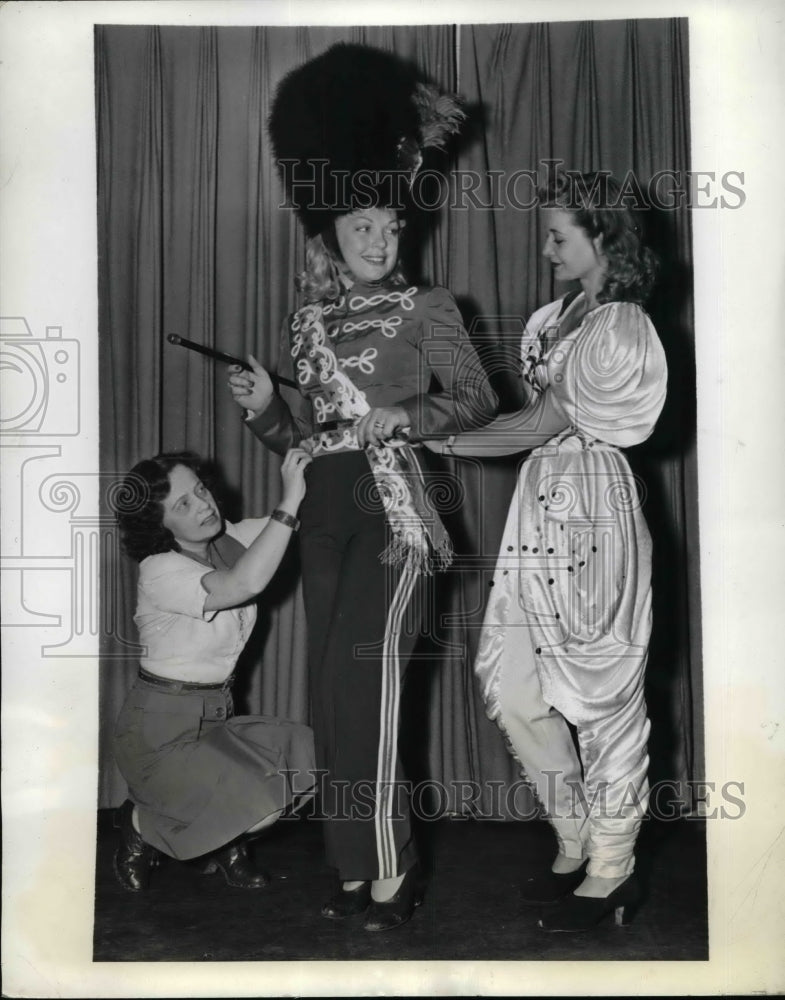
(222, 553)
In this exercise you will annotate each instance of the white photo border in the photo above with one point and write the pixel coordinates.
(48, 262)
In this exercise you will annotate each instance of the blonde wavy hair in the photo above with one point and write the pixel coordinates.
(321, 277)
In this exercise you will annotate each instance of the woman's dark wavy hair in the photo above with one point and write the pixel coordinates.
(596, 203)
(320, 279)
(139, 507)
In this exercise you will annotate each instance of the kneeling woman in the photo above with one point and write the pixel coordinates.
(199, 777)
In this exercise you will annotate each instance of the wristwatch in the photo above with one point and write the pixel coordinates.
(284, 518)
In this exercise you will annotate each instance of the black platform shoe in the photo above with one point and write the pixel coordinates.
(134, 857)
(550, 887)
(234, 864)
(399, 908)
(579, 913)
(347, 903)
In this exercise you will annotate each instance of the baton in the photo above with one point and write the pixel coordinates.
(227, 359)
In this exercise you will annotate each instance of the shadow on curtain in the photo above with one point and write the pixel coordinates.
(192, 241)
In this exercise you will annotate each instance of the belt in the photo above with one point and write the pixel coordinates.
(400, 434)
(170, 685)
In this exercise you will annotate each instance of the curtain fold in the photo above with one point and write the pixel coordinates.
(193, 241)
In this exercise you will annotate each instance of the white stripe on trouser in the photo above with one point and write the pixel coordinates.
(615, 762)
(388, 724)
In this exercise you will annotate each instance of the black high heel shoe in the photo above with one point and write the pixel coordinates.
(579, 913)
(550, 887)
(235, 865)
(347, 902)
(134, 857)
(398, 908)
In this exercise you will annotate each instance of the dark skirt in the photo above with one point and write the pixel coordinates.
(201, 776)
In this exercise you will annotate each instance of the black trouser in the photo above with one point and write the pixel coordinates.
(363, 620)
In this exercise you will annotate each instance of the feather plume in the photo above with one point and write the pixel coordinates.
(440, 115)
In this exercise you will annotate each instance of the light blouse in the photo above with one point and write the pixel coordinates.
(180, 639)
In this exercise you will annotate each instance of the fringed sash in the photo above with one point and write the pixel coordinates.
(418, 534)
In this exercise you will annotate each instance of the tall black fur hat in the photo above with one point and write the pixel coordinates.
(348, 129)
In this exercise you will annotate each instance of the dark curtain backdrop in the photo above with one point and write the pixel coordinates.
(192, 241)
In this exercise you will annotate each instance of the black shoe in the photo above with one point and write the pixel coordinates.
(399, 908)
(579, 913)
(550, 887)
(234, 864)
(134, 857)
(346, 903)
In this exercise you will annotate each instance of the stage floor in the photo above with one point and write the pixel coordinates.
(472, 909)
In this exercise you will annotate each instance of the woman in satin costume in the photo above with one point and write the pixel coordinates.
(568, 620)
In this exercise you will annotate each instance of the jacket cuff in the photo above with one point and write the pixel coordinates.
(273, 425)
(272, 415)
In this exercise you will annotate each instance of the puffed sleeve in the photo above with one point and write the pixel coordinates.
(172, 582)
(465, 398)
(287, 418)
(610, 376)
